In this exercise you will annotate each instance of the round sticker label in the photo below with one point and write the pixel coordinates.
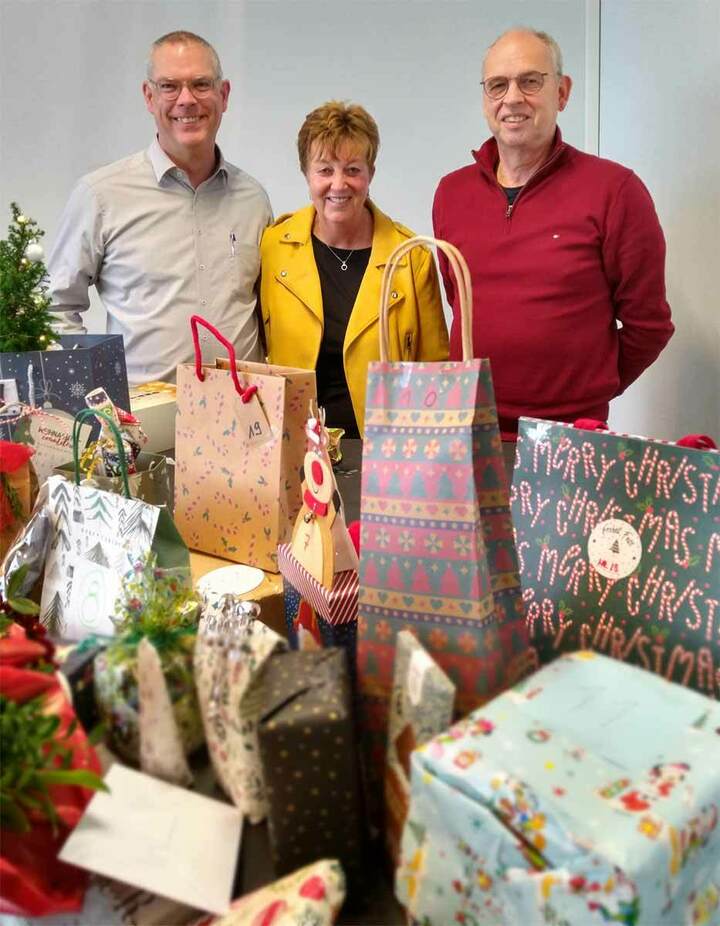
(614, 548)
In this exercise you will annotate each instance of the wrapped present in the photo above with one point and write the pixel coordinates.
(157, 605)
(421, 707)
(587, 794)
(311, 896)
(61, 378)
(233, 646)
(308, 629)
(76, 662)
(307, 747)
(619, 545)
(155, 405)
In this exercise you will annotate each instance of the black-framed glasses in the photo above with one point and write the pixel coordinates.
(171, 89)
(529, 83)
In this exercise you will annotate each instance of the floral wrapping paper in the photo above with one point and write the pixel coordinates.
(311, 896)
(618, 540)
(230, 655)
(118, 700)
(421, 707)
(565, 802)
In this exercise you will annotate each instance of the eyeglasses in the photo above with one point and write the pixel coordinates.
(171, 89)
(528, 84)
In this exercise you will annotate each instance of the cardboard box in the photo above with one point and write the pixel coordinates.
(155, 406)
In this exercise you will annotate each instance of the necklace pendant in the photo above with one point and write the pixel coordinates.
(343, 265)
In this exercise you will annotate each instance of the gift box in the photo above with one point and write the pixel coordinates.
(336, 605)
(307, 746)
(155, 406)
(62, 378)
(311, 896)
(421, 707)
(618, 539)
(587, 794)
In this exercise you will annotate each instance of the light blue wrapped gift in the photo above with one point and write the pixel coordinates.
(587, 794)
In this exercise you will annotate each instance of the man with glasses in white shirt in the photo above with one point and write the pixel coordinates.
(562, 246)
(170, 231)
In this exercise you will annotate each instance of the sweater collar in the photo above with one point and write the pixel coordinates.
(487, 155)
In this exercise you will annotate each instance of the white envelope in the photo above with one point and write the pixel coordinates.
(160, 838)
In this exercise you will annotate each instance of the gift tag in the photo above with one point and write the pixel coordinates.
(420, 663)
(614, 548)
(250, 423)
(94, 590)
(51, 436)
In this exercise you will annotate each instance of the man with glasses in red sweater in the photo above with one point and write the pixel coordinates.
(562, 246)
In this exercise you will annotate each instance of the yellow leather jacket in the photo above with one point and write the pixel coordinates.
(292, 309)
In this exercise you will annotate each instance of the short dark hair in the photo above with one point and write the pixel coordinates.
(183, 37)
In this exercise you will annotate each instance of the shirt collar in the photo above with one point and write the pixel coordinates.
(162, 164)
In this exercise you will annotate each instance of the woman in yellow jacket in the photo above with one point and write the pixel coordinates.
(322, 269)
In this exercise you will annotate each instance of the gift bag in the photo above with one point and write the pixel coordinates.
(437, 551)
(619, 544)
(239, 447)
(97, 537)
(232, 650)
(150, 482)
(62, 378)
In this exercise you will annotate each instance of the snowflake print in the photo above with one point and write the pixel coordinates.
(432, 449)
(461, 545)
(457, 450)
(117, 367)
(409, 448)
(433, 544)
(78, 390)
(382, 538)
(388, 447)
(406, 541)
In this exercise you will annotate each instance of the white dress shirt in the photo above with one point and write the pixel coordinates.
(159, 251)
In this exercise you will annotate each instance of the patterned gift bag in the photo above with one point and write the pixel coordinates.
(619, 544)
(437, 551)
(239, 447)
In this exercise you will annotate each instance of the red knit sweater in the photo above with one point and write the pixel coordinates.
(580, 248)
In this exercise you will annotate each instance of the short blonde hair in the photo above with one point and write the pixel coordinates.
(547, 40)
(183, 37)
(334, 124)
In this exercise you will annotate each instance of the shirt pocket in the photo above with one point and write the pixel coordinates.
(245, 269)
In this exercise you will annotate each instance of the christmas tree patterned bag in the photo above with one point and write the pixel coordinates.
(97, 538)
(618, 539)
(437, 553)
(239, 446)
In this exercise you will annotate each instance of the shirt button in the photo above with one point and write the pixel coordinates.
(202, 266)
(283, 273)
(203, 302)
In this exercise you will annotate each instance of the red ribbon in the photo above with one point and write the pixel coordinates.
(317, 507)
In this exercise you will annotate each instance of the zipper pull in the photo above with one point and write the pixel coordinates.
(508, 211)
(408, 343)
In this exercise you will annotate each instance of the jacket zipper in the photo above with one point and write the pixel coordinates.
(540, 170)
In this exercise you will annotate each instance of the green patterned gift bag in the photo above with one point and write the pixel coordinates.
(618, 539)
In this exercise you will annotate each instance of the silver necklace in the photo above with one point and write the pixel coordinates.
(343, 262)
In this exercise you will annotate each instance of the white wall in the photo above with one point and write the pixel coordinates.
(659, 115)
(70, 75)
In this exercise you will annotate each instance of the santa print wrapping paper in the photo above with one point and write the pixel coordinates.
(618, 539)
(437, 552)
(238, 498)
(586, 795)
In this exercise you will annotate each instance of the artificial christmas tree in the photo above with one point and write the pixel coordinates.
(24, 303)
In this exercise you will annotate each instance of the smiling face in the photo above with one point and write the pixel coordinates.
(339, 183)
(186, 126)
(524, 124)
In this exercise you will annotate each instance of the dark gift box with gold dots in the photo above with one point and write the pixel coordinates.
(307, 747)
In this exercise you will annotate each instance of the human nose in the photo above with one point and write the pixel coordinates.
(513, 94)
(338, 180)
(186, 95)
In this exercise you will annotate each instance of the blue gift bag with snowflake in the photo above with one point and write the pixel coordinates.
(61, 379)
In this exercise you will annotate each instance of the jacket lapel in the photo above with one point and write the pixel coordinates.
(296, 270)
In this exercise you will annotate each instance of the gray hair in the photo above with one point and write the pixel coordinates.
(182, 37)
(547, 40)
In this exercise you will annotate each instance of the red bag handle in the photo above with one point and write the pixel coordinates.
(699, 441)
(195, 320)
(590, 424)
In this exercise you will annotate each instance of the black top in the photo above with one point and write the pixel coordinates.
(339, 291)
(511, 192)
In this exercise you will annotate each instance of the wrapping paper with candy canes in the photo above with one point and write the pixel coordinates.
(564, 801)
(618, 540)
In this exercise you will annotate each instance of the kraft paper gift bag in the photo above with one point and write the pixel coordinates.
(584, 796)
(619, 544)
(437, 553)
(97, 538)
(239, 446)
(232, 650)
